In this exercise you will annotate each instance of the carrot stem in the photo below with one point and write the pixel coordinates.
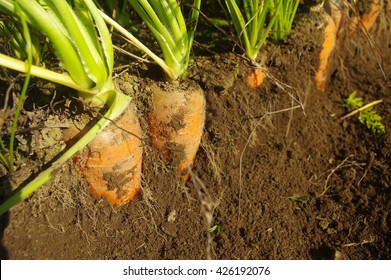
(168, 69)
(40, 72)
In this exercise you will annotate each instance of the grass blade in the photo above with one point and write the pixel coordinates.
(26, 35)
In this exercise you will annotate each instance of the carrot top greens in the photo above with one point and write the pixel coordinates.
(167, 23)
(82, 43)
(251, 22)
(367, 116)
(285, 14)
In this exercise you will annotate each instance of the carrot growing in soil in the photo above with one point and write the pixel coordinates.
(336, 10)
(334, 18)
(369, 18)
(177, 116)
(327, 49)
(256, 78)
(253, 21)
(112, 162)
(176, 123)
(83, 45)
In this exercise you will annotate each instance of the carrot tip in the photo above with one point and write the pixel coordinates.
(185, 177)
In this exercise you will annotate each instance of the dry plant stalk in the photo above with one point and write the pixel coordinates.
(361, 109)
(208, 206)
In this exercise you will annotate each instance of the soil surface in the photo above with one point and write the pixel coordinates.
(278, 171)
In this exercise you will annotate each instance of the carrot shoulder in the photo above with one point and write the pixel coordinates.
(176, 123)
(256, 78)
(111, 164)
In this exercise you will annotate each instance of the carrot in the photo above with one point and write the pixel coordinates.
(336, 12)
(369, 18)
(176, 123)
(177, 116)
(327, 48)
(111, 163)
(256, 78)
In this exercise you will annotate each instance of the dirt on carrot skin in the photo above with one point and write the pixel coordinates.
(176, 122)
(259, 148)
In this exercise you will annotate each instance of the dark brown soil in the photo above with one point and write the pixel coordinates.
(260, 148)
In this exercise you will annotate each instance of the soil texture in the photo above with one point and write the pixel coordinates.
(278, 171)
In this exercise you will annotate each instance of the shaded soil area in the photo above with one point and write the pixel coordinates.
(264, 152)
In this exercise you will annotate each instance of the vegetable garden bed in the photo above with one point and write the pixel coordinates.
(278, 171)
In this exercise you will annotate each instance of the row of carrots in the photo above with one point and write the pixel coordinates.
(112, 162)
(337, 16)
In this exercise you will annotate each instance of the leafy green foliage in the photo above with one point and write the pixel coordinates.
(175, 37)
(285, 11)
(368, 116)
(300, 198)
(82, 43)
(353, 101)
(215, 229)
(26, 47)
(252, 22)
(13, 32)
(372, 120)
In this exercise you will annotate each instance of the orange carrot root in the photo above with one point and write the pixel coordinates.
(327, 49)
(176, 123)
(111, 162)
(369, 19)
(337, 10)
(256, 78)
